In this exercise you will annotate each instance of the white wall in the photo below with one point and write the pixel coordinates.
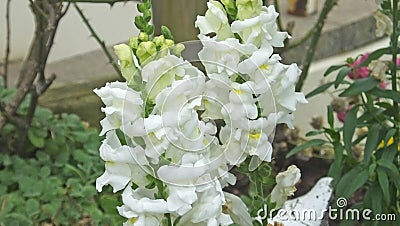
(114, 25)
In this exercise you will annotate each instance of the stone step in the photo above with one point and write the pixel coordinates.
(350, 25)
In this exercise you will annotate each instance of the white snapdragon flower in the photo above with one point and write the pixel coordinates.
(285, 185)
(216, 94)
(123, 164)
(207, 210)
(241, 104)
(223, 56)
(123, 106)
(128, 62)
(250, 139)
(384, 24)
(248, 8)
(237, 210)
(261, 30)
(181, 198)
(156, 139)
(285, 99)
(215, 21)
(141, 208)
(160, 74)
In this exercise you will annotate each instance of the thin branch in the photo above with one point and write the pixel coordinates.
(303, 38)
(99, 41)
(7, 53)
(314, 41)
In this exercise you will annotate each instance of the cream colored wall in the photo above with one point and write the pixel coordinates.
(114, 25)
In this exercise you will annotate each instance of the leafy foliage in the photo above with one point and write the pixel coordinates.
(55, 184)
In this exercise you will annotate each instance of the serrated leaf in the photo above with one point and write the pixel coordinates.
(359, 86)
(307, 144)
(333, 68)
(319, 90)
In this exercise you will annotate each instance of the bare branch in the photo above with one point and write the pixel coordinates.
(101, 42)
(7, 53)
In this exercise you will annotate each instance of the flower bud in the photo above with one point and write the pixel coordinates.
(248, 8)
(144, 37)
(338, 105)
(159, 40)
(145, 50)
(177, 49)
(134, 43)
(316, 122)
(127, 64)
(230, 7)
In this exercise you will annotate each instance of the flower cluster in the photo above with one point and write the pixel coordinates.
(184, 129)
(360, 70)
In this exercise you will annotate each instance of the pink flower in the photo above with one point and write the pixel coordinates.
(359, 72)
(341, 116)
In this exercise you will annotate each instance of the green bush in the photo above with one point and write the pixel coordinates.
(56, 184)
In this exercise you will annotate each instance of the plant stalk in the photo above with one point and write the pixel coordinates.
(314, 41)
(394, 45)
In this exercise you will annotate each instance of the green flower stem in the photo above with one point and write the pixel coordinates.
(394, 45)
(314, 41)
(101, 42)
(278, 20)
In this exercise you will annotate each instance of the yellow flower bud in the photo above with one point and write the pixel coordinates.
(145, 50)
(248, 8)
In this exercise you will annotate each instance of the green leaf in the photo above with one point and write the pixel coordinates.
(333, 68)
(372, 142)
(375, 55)
(330, 116)
(352, 181)
(307, 144)
(359, 86)
(313, 133)
(390, 94)
(37, 141)
(319, 90)
(384, 184)
(341, 75)
(336, 168)
(350, 123)
(32, 207)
